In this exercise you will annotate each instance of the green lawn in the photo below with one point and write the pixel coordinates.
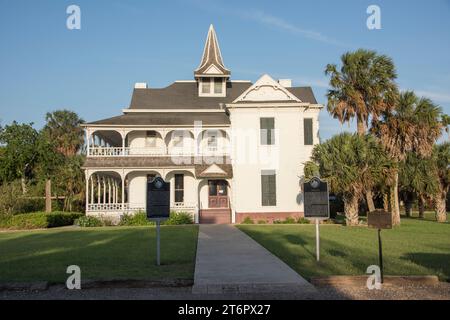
(418, 247)
(101, 253)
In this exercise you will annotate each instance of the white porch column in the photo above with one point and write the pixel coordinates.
(123, 145)
(88, 142)
(123, 191)
(87, 189)
(92, 190)
(104, 191)
(109, 190)
(98, 189)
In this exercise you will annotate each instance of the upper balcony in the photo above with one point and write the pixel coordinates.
(157, 143)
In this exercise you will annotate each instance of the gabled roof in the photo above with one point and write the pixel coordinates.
(267, 89)
(183, 95)
(212, 62)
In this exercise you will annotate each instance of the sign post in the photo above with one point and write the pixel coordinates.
(317, 205)
(380, 219)
(158, 207)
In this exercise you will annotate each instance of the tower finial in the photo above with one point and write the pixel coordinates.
(212, 63)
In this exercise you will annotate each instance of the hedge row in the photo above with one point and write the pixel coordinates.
(138, 219)
(39, 220)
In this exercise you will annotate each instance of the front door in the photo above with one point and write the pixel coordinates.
(218, 194)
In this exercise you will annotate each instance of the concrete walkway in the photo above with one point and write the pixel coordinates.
(229, 261)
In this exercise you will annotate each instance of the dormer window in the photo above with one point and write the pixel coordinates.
(218, 85)
(206, 85)
(212, 87)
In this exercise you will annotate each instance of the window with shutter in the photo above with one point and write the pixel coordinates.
(268, 188)
(267, 131)
(308, 131)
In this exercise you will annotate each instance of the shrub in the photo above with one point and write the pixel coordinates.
(302, 220)
(247, 220)
(39, 220)
(137, 219)
(262, 221)
(179, 218)
(289, 220)
(140, 219)
(88, 222)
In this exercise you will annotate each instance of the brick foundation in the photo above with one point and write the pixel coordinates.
(268, 217)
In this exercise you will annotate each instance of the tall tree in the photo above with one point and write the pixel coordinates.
(441, 156)
(19, 152)
(63, 129)
(417, 180)
(363, 87)
(414, 126)
(351, 164)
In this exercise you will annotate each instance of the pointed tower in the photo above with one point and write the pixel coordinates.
(212, 74)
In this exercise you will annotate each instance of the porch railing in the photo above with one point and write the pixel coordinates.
(135, 207)
(154, 152)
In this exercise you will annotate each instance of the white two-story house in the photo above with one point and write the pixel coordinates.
(230, 149)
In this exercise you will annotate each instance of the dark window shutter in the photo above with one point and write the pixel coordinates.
(308, 131)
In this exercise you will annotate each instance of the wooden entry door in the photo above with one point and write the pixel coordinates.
(218, 194)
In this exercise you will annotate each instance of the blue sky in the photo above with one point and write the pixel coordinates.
(44, 66)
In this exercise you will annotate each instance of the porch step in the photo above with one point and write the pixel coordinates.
(215, 216)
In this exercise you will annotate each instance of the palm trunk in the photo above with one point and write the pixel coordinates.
(386, 202)
(48, 196)
(439, 203)
(408, 207)
(361, 127)
(24, 185)
(351, 211)
(395, 206)
(421, 206)
(369, 199)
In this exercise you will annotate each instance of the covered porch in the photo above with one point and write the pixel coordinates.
(114, 192)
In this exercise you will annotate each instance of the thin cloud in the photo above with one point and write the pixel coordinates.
(267, 20)
(279, 23)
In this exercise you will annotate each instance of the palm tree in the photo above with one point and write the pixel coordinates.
(414, 126)
(65, 135)
(351, 164)
(63, 129)
(441, 156)
(416, 180)
(363, 87)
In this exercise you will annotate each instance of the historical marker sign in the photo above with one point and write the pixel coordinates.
(379, 219)
(316, 199)
(158, 199)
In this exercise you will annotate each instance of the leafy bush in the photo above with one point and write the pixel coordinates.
(262, 221)
(89, 221)
(140, 219)
(302, 220)
(179, 218)
(247, 220)
(39, 220)
(289, 220)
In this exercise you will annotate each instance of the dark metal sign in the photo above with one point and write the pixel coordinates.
(158, 199)
(316, 199)
(379, 219)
